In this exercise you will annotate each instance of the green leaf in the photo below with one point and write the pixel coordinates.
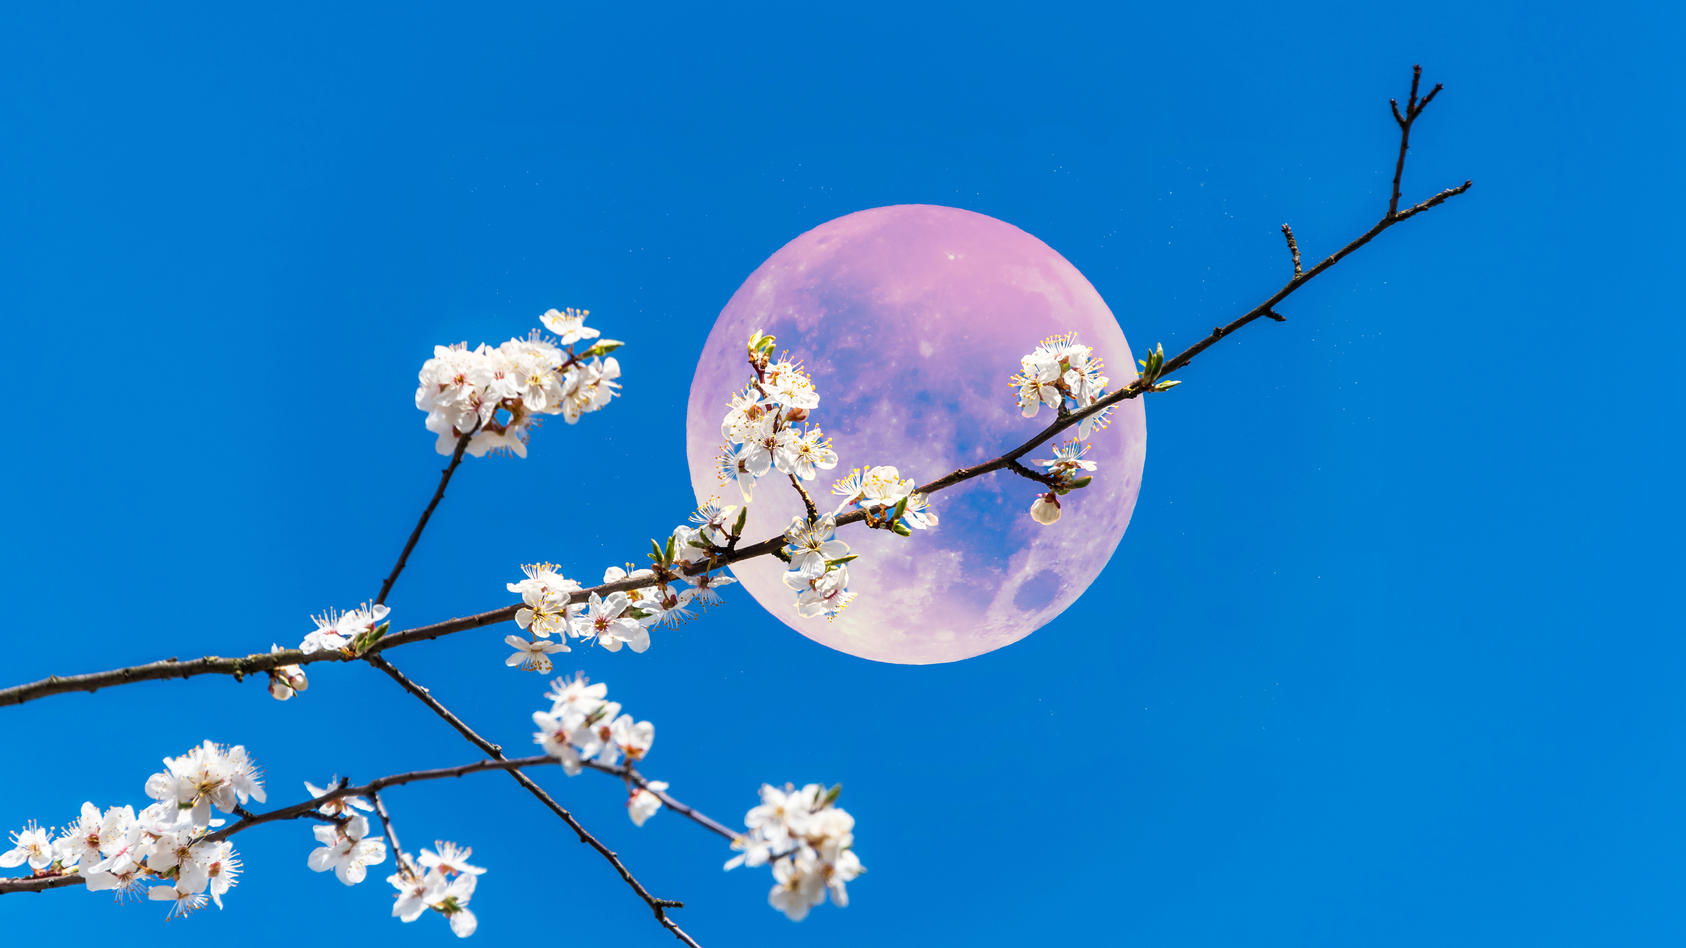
(831, 796)
(655, 553)
(843, 559)
(603, 348)
(1080, 483)
(743, 517)
(669, 550)
(901, 529)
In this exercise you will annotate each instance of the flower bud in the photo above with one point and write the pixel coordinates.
(1045, 509)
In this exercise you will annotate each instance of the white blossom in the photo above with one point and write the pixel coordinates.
(534, 655)
(568, 325)
(346, 851)
(29, 845)
(546, 595)
(643, 802)
(338, 806)
(336, 631)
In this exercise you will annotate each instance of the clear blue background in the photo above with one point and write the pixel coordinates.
(1391, 654)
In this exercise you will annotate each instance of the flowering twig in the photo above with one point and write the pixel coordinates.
(239, 667)
(657, 906)
(310, 809)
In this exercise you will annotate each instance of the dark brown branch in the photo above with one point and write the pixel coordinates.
(1413, 108)
(1038, 476)
(657, 906)
(391, 836)
(421, 524)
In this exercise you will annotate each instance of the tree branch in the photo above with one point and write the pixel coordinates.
(421, 524)
(657, 906)
(309, 809)
(238, 667)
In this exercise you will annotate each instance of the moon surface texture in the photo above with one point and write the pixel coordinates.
(911, 320)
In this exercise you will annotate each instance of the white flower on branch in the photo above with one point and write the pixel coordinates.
(29, 845)
(454, 905)
(532, 656)
(568, 325)
(206, 776)
(285, 680)
(1065, 375)
(545, 593)
(787, 383)
(603, 621)
(338, 631)
(642, 803)
(809, 841)
(338, 806)
(182, 901)
(79, 843)
(887, 498)
(417, 892)
(345, 850)
(449, 858)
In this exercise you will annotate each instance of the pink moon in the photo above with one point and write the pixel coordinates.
(911, 320)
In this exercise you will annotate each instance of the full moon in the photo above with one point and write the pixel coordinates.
(911, 319)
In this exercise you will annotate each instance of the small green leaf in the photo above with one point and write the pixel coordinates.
(655, 552)
(669, 550)
(743, 517)
(901, 529)
(843, 559)
(831, 796)
(603, 348)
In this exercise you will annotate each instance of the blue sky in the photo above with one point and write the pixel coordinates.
(1387, 656)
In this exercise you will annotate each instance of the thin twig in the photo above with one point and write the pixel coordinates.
(807, 501)
(1293, 248)
(1035, 475)
(391, 835)
(657, 906)
(421, 524)
(1413, 108)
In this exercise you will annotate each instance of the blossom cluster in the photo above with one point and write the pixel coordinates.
(1065, 375)
(166, 843)
(809, 841)
(678, 580)
(764, 428)
(353, 629)
(888, 498)
(442, 881)
(819, 567)
(497, 393)
(583, 726)
(1063, 472)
